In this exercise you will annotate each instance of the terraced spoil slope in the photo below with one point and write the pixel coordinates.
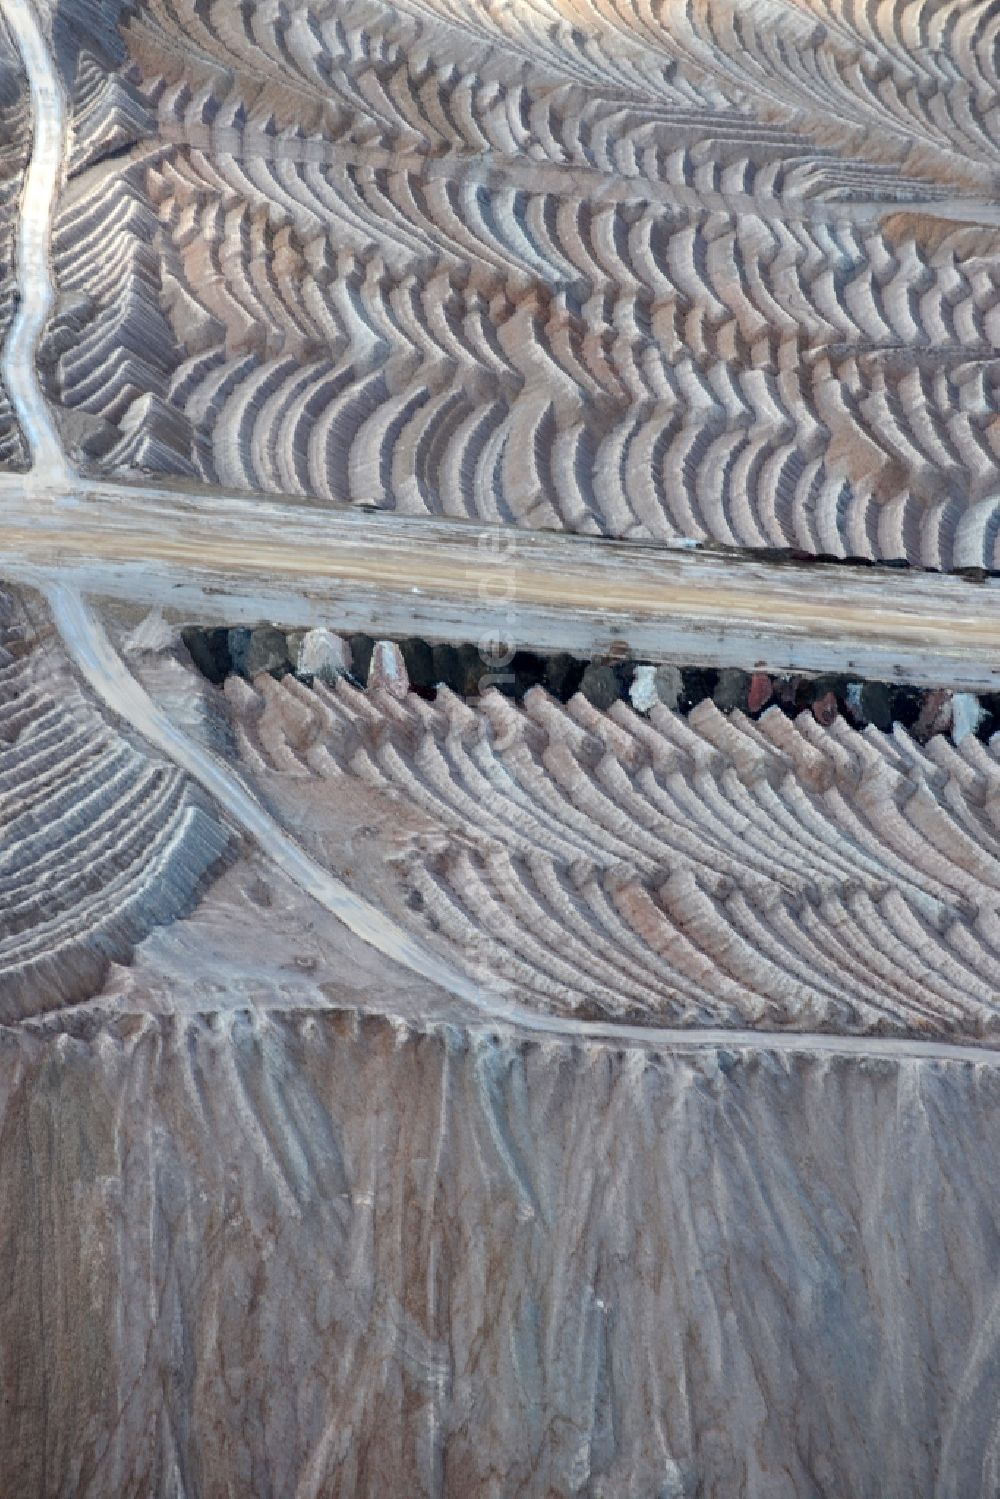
(99, 842)
(666, 871)
(723, 273)
(15, 146)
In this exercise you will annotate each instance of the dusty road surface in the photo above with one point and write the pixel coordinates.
(241, 558)
(50, 471)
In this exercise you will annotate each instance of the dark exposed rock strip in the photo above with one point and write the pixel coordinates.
(467, 670)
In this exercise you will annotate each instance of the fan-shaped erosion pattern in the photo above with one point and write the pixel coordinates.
(722, 273)
(652, 869)
(343, 1258)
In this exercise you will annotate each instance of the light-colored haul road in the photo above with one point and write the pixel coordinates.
(34, 275)
(232, 558)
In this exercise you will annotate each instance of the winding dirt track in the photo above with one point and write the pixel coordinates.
(106, 673)
(48, 109)
(63, 535)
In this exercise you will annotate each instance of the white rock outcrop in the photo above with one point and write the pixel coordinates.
(324, 655)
